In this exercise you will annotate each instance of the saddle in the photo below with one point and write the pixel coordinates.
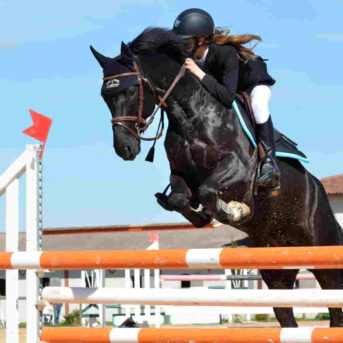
(285, 147)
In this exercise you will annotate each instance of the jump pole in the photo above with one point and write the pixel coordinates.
(213, 277)
(181, 335)
(195, 297)
(324, 257)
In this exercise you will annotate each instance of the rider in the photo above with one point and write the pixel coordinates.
(228, 67)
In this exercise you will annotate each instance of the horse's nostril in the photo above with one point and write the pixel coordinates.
(127, 149)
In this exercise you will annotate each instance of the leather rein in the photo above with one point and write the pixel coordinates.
(141, 124)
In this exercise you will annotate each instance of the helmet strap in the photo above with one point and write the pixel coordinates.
(196, 46)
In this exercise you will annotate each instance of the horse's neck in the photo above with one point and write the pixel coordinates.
(183, 108)
(190, 105)
(220, 125)
(190, 102)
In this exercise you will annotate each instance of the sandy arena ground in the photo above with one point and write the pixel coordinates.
(322, 323)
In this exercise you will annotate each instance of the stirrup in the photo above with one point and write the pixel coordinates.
(267, 179)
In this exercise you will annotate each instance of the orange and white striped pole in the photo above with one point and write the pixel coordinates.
(326, 257)
(184, 335)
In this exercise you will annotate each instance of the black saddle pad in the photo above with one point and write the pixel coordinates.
(285, 147)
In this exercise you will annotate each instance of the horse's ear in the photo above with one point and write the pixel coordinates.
(125, 49)
(123, 46)
(126, 53)
(103, 60)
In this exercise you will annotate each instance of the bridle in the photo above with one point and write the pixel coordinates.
(141, 124)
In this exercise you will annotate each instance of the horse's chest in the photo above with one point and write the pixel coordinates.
(204, 155)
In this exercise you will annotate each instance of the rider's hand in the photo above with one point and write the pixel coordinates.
(191, 66)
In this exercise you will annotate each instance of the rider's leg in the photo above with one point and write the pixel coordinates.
(269, 171)
(260, 97)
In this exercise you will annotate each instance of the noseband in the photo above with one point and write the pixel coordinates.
(141, 124)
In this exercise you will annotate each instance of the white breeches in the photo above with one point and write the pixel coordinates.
(260, 97)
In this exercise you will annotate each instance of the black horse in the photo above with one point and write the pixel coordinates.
(213, 164)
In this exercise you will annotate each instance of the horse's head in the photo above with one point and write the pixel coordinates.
(131, 92)
(130, 98)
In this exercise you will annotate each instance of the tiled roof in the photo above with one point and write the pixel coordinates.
(333, 184)
(169, 239)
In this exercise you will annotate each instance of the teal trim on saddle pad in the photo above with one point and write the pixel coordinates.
(245, 129)
(288, 155)
(251, 138)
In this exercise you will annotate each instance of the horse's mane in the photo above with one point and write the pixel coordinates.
(162, 41)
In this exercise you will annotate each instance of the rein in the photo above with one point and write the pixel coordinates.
(141, 124)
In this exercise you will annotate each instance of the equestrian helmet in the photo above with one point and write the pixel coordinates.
(194, 22)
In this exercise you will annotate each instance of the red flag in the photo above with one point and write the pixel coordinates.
(153, 237)
(40, 128)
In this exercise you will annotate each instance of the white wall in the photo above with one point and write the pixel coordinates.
(336, 202)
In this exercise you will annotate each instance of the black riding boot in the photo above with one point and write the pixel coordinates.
(269, 173)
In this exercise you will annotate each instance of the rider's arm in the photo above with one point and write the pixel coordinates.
(225, 91)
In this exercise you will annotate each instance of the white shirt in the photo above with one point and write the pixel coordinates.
(202, 60)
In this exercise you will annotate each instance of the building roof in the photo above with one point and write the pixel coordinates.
(333, 184)
(126, 228)
(112, 240)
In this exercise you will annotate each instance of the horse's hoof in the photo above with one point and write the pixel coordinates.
(223, 212)
(202, 218)
(239, 210)
(233, 211)
(162, 200)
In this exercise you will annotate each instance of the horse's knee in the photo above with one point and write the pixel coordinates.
(178, 201)
(207, 195)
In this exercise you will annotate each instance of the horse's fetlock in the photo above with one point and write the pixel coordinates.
(207, 195)
(178, 201)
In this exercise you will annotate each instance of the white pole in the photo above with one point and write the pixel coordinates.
(83, 284)
(246, 284)
(153, 246)
(83, 278)
(197, 297)
(33, 237)
(147, 308)
(157, 307)
(127, 286)
(137, 285)
(14, 171)
(12, 276)
(100, 282)
(157, 285)
(228, 285)
(2, 317)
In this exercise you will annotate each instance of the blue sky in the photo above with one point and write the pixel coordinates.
(46, 65)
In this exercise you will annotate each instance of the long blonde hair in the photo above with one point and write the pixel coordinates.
(222, 37)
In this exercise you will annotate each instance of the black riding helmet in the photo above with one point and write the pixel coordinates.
(194, 22)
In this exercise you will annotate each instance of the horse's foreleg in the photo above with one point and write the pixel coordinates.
(223, 177)
(179, 200)
(208, 195)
